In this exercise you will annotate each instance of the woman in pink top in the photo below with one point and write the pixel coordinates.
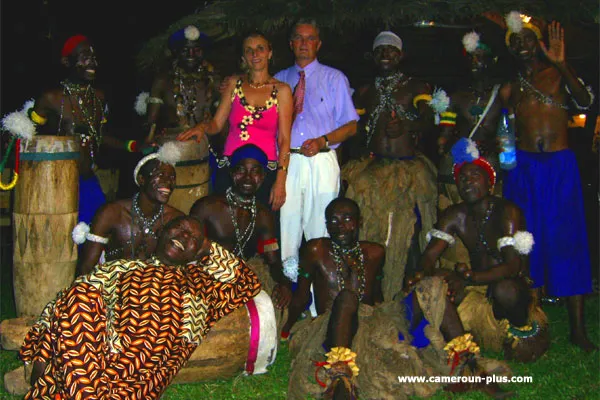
(259, 110)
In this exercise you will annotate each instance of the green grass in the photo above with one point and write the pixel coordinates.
(564, 372)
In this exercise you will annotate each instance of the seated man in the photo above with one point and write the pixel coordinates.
(125, 330)
(346, 275)
(129, 229)
(492, 298)
(245, 226)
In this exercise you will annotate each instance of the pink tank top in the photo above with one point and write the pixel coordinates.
(252, 125)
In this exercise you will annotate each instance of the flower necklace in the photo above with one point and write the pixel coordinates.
(241, 239)
(355, 253)
(386, 86)
(541, 97)
(255, 112)
(87, 103)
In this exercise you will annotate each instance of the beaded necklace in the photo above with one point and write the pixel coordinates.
(355, 253)
(145, 224)
(386, 86)
(186, 102)
(541, 97)
(482, 244)
(241, 239)
(87, 103)
(146, 230)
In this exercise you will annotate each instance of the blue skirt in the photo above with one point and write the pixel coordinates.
(91, 198)
(547, 187)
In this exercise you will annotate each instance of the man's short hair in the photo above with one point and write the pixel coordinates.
(305, 21)
(344, 201)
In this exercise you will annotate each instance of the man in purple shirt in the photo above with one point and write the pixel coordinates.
(324, 117)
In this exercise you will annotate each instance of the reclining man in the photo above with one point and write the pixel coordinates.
(126, 329)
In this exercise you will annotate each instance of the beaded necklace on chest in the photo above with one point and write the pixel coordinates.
(241, 239)
(145, 224)
(355, 254)
(185, 95)
(87, 103)
(482, 244)
(528, 87)
(386, 86)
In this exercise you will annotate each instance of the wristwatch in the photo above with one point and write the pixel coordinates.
(326, 141)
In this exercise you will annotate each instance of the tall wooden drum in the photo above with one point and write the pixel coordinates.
(243, 342)
(193, 172)
(45, 213)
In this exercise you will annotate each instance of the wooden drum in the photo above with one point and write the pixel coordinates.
(244, 341)
(193, 171)
(45, 213)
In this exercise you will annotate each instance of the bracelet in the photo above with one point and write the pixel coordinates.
(282, 168)
(131, 146)
(326, 140)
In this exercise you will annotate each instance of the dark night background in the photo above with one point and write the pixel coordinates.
(33, 33)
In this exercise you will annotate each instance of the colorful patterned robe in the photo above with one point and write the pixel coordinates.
(126, 329)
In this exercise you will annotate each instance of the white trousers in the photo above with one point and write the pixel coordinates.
(311, 184)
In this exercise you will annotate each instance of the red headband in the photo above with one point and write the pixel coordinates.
(483, 163)
(71, 43)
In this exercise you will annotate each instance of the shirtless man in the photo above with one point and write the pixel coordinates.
(395, 211)
(245, 226)
(185, 95)
(129, 228)
(546, 183)
(474, 112)
(345, 274)
(77, 108)
(494, 292)
(465, 116)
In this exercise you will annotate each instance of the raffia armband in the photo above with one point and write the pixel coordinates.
(522, 241)
(436, 233)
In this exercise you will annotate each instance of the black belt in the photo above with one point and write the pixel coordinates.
(298, 150)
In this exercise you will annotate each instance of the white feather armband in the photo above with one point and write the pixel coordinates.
(522, 241)
(436, 233)
(141, 103)
(80, 232)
